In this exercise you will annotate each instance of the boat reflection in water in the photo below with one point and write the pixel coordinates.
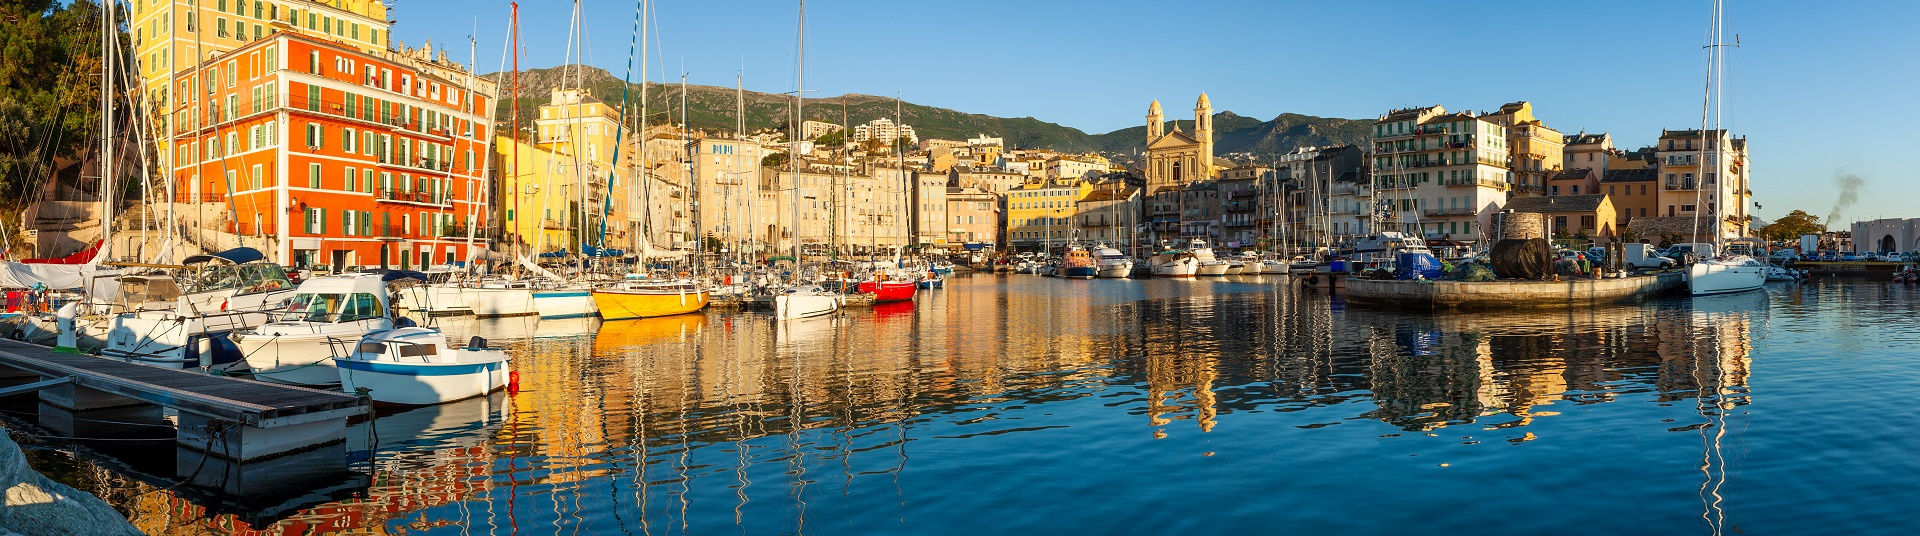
(734, 422)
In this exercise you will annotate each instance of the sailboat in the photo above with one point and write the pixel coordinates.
(1735, 271)
(636, 295)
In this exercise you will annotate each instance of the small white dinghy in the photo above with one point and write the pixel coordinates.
(415, 366)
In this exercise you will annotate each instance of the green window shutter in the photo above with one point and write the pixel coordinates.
(322, 228)
(346, 222)
(313, 96)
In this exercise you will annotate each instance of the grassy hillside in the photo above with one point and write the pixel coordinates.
(713, 108)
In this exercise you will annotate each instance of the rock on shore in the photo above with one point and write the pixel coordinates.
(32, 504)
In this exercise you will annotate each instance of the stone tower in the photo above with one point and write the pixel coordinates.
(1155, 122)
(1203, 133)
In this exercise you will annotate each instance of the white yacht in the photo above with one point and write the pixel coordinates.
(1208, 264)
(1719, 273)
(439, 296)
(1171, 262)
(183, 319)
(500, 297)
(324, 315)
(1111, 263)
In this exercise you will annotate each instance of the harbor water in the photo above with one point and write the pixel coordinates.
(1019, 404)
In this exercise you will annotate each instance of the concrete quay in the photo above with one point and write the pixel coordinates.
(1578, 292)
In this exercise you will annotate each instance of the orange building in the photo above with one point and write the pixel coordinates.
(336, 156)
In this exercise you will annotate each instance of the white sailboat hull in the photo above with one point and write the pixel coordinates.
(1211, 268)
(1738, 274)
(489, 302)
(564, 303)
(792, 306)
(437, 299)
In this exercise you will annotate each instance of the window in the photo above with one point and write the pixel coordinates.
(313, 176)
(316, 137)
(347, 139)
(352, 177)
(259, 177)
(316, 220)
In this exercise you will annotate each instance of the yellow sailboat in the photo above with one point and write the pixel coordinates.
(646, 299)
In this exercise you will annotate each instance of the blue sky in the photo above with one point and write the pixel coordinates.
(1820, 88)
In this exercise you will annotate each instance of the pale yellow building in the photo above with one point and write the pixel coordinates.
(1536, 152)
(568, 182)
(1040, 214)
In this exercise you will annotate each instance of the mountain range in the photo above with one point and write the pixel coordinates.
(713, 108)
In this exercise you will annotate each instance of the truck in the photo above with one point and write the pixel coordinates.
(1638, 255)
(1809, 243)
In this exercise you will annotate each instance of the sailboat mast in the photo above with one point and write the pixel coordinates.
(513, 123)
(793, 133)
(107, 27)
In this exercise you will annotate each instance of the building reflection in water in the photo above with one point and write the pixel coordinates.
(635, 426)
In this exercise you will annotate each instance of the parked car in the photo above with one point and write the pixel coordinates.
(1830, 256)
(1870, 256)
(1597, 254)
(1850, 257)
(1783, 255)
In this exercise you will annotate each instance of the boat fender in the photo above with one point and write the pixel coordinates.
(513, 382)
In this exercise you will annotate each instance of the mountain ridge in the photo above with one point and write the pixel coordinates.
(713, 108)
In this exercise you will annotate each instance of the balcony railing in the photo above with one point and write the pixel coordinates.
(412, 197)
(203, 198)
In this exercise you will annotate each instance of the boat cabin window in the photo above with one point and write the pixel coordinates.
(245, 278)
(333, 307)
(372, 348)
(417, 350)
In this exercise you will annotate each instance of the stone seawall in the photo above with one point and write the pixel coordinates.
(1509, 294)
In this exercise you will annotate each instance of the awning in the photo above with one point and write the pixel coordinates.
(240, 255)
(591, 251)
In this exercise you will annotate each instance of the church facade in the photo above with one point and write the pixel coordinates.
(1177, 158)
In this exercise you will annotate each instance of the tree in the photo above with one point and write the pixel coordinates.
(1791, 226)
(831, 139)
(774, 160)
(49, 88)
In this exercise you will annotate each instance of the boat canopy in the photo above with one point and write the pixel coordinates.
(591, 251)
(239, 255)
(554, 254)
(387, 274)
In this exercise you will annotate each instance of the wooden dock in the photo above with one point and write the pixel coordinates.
(234, 418)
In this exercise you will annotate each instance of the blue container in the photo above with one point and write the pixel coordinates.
(1337, 266)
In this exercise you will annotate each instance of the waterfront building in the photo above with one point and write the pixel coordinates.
(1163, 214)
(1109, 215)
(1574, 181)
(1040, 213)
(973, 216)
(1535, 152)
(1572, 216)
(173, 37)
(584, 195)
(727, 187)
(1239, 208)
(1635, 193)
(1200, 211)
(1177, 158)
(1705, 173)
(1888, 235)
(336, 156)
(927, 191)
(1440, 174)
(1351, 205)
(532, 218)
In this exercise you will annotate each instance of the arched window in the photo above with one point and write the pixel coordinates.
(1177, 177)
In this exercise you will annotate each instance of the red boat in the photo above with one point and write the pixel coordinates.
(888, 291)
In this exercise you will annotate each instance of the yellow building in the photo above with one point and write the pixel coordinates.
(175, 36)
(563, 188)
(1040, 213)
(1536, 152)
(1177, 158)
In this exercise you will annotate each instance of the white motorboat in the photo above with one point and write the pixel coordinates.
(806, 302)
(1112, 264)
(1235, 267)
(415, 366)
(1776, 272)
(324, 314)
(183, 319)
(500, 298)
(1250, 263)
(1208, 264)
(1174, 263)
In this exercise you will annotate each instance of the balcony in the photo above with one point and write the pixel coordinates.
(423, 198)
(1485, 183)
(551, 224)
(1450, 211)
(453, 231)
